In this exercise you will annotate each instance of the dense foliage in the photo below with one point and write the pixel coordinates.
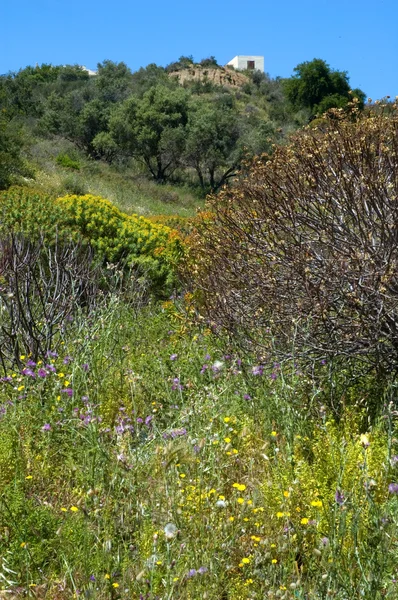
(196, 133)
(305, 244)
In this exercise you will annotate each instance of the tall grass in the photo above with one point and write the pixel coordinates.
(147, 458)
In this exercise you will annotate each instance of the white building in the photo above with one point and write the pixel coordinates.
(241, 63)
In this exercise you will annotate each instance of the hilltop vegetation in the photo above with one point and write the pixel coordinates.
(193, 133)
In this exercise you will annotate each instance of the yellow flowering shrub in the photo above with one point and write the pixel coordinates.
(153, 248)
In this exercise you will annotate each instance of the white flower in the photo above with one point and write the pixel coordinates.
(170, 531)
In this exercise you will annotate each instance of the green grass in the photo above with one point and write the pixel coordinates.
(126, 187)
(180, 469)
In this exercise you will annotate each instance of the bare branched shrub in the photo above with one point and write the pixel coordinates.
(41, 287)
(306, 243)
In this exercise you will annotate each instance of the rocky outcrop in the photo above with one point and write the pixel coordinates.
(218, 76)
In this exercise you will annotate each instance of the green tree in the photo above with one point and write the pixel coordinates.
(152, 129)
(114, 81)
(317, 87)
(11, 163)
(212, 141)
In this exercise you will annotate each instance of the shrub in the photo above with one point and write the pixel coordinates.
(64, 160)
(154, 250)
(305, 243)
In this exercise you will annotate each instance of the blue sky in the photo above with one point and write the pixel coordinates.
(359, 37)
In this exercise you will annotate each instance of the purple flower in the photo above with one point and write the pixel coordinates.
(148, 419)
(51, 354)
(177, 385)
(51, 368)
(46, 427)
(274, 376)
(324, 541)
(31, 363)
(85, 367)
(42, 373)
(203, 369)
(258, 370)
(247, 397)
(67, 360)
(192, 573)
(393, 488)
(68, 391)
(207, 357)
(92, 578)
(394, 460)
(139, 420)
(202, 570)
(174, 357)
(28, 372)
(339, 497)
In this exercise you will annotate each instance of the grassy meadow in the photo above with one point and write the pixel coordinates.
(149, 453)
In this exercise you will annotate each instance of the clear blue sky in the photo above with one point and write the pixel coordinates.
(360, 37)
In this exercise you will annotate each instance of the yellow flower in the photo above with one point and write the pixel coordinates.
(61, 375)
(22, 357)
(241, 501)
(364, 440)
(274, 561)
(74, 509)
(231, 519)
(23, 544)
(273, 433)
(304, 521)
(21, 387)
(245, 561)
(182, 475)
(317, 503)
(29, 477)
(227, 419)
(221, 497)
(64, 509)
(286, 494)
(280, 515)
(239, 486)
(115, 585)
(227, 440)
(107, 576)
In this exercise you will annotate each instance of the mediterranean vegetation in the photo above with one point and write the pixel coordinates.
(198, 335)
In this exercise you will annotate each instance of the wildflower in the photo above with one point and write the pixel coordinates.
(20, 388)
(274, 561)
(85, 367)
(74, 509)
(280, 515)
(46, 427)
(61, 375)
(364, 441)
(217, 366)
(28, 372)
(393, 488)
(246, 561)
(68, 391)
(202, 570)
(258, 370)
(227, 440)
(273, 434)
(115, 585)
(170, 531)
(339, 497)
(221, 504)
(316, 503)
(227, 419)
(192, 573)
(42, 373)
(107, 576)
(287, 494)
(241, 500)
(174, 357)
(394, 460)
(247, 397)
(67, 360)
(239, 486)
(304, 521)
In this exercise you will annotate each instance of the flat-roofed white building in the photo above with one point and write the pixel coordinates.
(243, 62)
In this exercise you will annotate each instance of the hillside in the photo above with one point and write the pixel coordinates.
(220, 76)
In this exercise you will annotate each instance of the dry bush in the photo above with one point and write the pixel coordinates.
(306, 243)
